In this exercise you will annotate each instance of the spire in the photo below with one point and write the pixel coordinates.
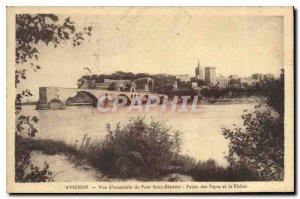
(198, 63)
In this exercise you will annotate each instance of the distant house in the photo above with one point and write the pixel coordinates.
(144, 84)
(194, 84)
(249, 80)
(169, 86)
(222, 82)
(258, 76)
(115, 85)
(269, 76)
(103, 85)
(183, 78)
(86, 83)
(233, 77)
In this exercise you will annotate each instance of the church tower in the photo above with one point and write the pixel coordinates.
(199, 72)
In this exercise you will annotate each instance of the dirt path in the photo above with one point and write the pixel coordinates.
(65, 170)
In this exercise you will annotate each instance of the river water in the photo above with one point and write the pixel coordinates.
(202, 131)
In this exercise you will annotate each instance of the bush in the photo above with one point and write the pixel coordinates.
(138, 150)
(259, 147)
(210, 171)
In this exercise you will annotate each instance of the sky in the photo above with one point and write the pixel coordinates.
(151, 41)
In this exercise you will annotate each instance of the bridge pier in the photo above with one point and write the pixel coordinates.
(49, 99)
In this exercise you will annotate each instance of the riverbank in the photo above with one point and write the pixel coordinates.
(63, 170)
(250, 100)
(65, 160)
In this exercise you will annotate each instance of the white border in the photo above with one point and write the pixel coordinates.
(5, 3)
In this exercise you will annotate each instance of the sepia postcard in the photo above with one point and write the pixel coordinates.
(150, 99)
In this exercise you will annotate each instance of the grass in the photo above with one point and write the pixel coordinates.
(78, 153)
(50, 147)
(87, 153)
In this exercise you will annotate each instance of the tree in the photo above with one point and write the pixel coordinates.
(30, 31)
(43, 28)
(259, 146)
(201, 82)
(274, 90)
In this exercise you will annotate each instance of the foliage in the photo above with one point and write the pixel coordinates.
(42, 28)
(259, 147)
(201, 82)
(184, 85)
(210, 171)
(25, 171)
(234, 91)
(49, 146)
(18, 100)
(274, 90)
(138, 150)
(118, 75)
(30, 31)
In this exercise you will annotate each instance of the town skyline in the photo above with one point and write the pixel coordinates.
(190, 73)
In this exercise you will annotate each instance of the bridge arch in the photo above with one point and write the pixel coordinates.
(73, 100)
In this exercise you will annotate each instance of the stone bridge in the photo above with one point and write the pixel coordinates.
(59, 96)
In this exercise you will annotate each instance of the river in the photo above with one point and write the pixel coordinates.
(202, 137)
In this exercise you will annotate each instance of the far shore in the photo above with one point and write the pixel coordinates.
(243, 100)
(247, 100)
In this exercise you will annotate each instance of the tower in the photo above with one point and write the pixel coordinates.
(199, 72)
(210, 75)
